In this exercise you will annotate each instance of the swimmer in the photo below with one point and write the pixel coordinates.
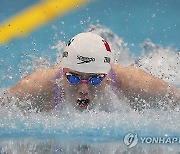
(86, 68)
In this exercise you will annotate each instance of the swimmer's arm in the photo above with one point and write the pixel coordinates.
(37, 86)
(136, 83)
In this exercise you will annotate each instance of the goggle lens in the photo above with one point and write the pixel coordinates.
(73, 79)
(96, 80)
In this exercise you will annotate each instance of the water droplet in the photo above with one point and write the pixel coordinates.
(10, 77)
(9, 68)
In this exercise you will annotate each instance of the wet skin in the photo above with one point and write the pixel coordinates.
(82, 95)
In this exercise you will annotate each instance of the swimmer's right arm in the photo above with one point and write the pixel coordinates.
(37, 86)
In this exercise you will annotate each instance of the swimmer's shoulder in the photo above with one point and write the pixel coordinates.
(126, 74)
(119, 70)
(48, 74)
(123, 72)
(42, 75)
(40, 81)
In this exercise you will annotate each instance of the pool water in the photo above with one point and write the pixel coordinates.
(140, 33)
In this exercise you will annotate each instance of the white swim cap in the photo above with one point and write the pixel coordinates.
(88, 53)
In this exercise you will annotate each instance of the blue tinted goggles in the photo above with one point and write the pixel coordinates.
(76, 79)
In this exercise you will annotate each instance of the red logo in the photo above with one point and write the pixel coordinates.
(107, 46)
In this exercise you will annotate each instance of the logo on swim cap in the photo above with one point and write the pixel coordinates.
(65, 54)
(107, 60)
(85, 59)
(107, 46)
(70, 41)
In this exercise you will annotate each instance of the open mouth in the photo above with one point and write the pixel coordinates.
(83, 102)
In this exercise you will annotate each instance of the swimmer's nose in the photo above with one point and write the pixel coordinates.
(83, 90)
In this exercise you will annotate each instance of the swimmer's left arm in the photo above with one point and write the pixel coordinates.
(136, 83)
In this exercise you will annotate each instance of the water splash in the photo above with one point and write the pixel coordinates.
(161, 62)
(95, 126)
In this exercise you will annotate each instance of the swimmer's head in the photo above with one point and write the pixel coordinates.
(87, 53)
(86, 63)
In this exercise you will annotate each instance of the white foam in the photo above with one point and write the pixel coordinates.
(160, 61)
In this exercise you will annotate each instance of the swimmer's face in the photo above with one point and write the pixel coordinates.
(83, 94)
